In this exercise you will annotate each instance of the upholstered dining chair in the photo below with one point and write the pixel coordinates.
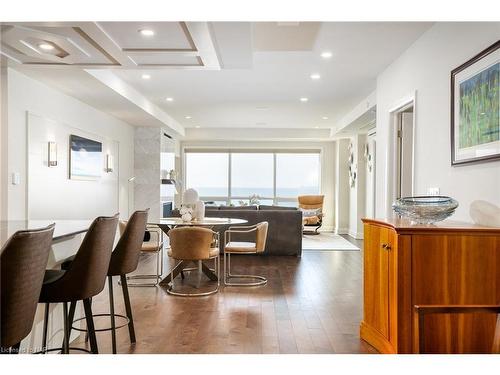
(312, 212)
(23, 260)
(194, 244)
(422, 310)
(244, 247)
(152, 244)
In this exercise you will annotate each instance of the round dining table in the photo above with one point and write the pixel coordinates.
(168, 223)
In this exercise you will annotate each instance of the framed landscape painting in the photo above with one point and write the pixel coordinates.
(475, 108)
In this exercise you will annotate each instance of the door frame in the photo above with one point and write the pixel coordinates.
(391, 169)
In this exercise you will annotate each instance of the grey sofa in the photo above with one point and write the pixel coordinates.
(284, 235)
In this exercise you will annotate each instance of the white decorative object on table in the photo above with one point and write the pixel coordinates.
(186, 213)
(199, 210)
(190, 196)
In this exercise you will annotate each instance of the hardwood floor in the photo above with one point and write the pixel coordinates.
(311, 304)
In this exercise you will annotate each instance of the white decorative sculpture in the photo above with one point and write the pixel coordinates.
(190, 196)
(485, 213)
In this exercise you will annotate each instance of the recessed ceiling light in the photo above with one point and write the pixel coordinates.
(315, 76)
(46, 46)
(187, 117)
(146, 76)
(316, 127)
(326, 54)
(197, 126)
(324, 118)
(146, 32)
(303, 100)
(169, 99)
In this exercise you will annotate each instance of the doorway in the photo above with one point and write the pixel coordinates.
(404, 146)
(400, 154)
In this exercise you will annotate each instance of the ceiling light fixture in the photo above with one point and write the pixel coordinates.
(197, 126)
(324, 118)
(169, 99)
(326, 54)
(188, 117)
(316, 127)
(315, 76)
(146, 76)
(46, 46)
(146, 32)
(303, 100)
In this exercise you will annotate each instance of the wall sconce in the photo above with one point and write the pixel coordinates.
(109, 164)
(52, 157)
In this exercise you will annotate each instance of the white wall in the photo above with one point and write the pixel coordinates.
(27, 95)
(425, 69)
(3, 138)
(357, 195)
(342, 189)
(327, 164)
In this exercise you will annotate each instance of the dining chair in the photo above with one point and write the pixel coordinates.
(153, 244)
(23, 261)
(194, 244)
(244, 247)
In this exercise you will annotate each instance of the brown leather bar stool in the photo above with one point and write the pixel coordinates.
(23, 261)
(124, 260)
(84, 279)
(194, 244)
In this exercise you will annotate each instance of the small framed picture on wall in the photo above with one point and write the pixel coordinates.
(475, 108)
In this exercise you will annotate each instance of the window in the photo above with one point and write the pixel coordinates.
(252, 174)
(297, 174)
(233, 177)
(208, 173)
(167, 163)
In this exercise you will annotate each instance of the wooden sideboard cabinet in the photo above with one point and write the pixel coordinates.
(447, 263)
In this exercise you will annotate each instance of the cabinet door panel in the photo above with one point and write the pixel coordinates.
(376, 280)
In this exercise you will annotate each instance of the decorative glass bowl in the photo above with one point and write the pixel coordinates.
(425, 209)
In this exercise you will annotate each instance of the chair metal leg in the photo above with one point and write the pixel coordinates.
(65, 347)
(90, 326)
(45, 328)
(261, 280)
(112, 313)
(128, 308)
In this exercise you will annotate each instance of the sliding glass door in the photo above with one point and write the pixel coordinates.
(240, 177)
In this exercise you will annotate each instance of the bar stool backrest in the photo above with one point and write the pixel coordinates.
(261, 236)
(87, 273)
(125, 257)
(191, 243)
(23, 261)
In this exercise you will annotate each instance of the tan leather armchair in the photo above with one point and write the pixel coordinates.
(194, 244)
(311, 202)
(244, 247)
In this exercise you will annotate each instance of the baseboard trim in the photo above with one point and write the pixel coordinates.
(356, 235)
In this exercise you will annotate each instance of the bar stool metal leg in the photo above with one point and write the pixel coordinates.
(65, 347)
(45, 327)
(112, 313)
(90, 326)
(128, 308)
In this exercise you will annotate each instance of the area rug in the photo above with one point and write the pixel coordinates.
(326, 241)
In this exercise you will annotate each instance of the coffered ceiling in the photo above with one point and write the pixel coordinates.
(212, 75)
(185, 45)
